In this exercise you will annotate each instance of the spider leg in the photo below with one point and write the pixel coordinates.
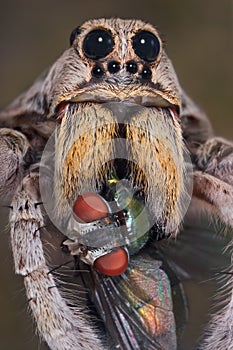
(213, 179)
(215, 196)
(213, 187)
(61, 326)
(13, 148)
(212, 159)
(215, 157)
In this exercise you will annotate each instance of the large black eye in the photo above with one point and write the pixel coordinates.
(98, 44)
(146, 45)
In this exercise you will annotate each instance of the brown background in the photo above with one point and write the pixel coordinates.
(32, 35)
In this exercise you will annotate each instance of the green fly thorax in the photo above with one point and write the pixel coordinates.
(131, 210)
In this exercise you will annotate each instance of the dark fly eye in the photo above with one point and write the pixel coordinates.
(146, 45)
(98, 44)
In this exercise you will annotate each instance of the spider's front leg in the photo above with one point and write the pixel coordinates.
(213, 163)
(213, 179)
(213, 186)
(13, 148)
(60, 326)
(213, 191)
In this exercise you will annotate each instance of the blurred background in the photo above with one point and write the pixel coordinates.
(199, 40)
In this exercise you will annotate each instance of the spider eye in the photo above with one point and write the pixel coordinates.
(98, 44)
(146, 45)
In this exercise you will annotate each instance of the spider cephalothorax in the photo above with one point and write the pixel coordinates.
(116, 138)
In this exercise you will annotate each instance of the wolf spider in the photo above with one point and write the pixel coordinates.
(114, 82)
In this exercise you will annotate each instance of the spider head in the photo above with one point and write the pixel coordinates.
(117, 99)
(113, 60)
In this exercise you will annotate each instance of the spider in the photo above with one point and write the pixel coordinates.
(101, 157)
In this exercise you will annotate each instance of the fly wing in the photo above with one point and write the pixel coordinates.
(136, 307)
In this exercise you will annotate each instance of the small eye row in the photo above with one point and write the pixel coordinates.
(131, 67)
(99, 43)
(114, 67)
